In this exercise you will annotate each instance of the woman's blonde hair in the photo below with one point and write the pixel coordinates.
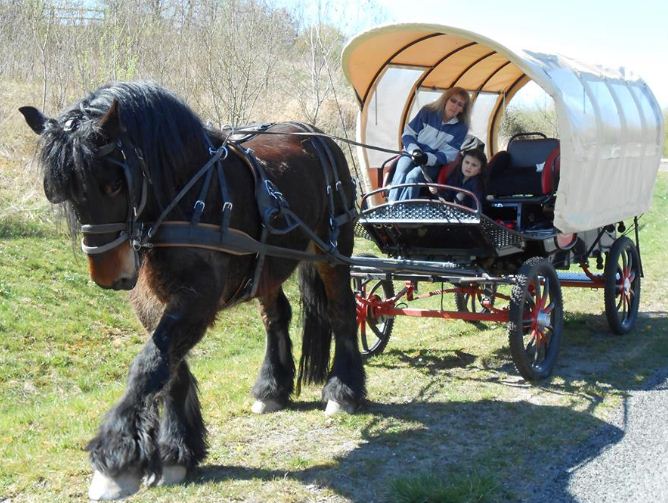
(438, 106)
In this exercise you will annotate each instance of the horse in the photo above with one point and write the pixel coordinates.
(192, 222)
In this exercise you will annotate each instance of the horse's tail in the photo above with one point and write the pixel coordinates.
(317, 335)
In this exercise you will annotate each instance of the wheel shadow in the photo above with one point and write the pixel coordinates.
(592, 360)
(425, 360)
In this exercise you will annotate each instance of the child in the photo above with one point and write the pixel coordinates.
(468, 176)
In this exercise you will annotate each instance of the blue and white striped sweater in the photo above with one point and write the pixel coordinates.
(440, 140)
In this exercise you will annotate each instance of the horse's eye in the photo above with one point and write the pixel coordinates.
(113, 188)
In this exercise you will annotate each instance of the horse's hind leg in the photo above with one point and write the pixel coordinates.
(345, 387)
(274, 385)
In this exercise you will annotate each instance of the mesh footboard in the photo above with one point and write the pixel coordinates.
(437, 230)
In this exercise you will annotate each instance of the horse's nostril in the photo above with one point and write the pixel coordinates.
(125, 283)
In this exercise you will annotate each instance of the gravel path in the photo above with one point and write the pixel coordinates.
(624, 462)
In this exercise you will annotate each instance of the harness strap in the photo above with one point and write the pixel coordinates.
(200, 204)
(218, 154)
(234, 242)
(96, 250)
(328, 164)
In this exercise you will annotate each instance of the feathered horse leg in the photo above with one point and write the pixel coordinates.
(130, 442)
(275, 382)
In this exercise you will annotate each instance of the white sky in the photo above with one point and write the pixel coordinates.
(613, 33)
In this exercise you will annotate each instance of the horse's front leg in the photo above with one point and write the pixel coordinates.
(126, 445)
(182, 440)
(275, 383)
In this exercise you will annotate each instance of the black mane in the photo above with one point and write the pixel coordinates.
(166, 130)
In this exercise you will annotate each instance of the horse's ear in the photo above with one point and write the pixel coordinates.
(110, 124)
(35, 119)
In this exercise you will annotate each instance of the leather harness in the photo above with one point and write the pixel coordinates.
(272, 207)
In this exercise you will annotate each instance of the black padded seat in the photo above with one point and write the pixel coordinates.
(520, 171)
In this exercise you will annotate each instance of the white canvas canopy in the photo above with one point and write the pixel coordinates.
(610, 125)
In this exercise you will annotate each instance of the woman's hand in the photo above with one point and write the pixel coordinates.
(419, 157)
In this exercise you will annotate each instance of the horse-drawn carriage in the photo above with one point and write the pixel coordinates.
(194, 220)
(555, 202)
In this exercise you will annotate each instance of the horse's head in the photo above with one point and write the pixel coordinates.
(90, 164)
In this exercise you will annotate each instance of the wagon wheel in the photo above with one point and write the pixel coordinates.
(622, 286)
(480, 302)
(374, 332)
(535, 320)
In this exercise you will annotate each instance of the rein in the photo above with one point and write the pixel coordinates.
(317, 133)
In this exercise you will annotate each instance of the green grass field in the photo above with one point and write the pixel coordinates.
(448, 418)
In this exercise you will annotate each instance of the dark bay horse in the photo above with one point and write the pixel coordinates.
(145, 179)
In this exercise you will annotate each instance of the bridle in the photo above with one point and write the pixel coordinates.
(138, 179)
(137, 182)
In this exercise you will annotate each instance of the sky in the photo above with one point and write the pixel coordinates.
(613, 33)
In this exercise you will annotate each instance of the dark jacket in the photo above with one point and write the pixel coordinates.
(473, 184)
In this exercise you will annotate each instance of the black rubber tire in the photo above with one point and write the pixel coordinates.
(467, 303)
(379, 329)
(536, 281)
(622, 290)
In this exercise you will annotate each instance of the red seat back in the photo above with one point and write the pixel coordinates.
(447, 169)
(550, 176)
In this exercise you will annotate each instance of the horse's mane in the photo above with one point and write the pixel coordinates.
(166, 130)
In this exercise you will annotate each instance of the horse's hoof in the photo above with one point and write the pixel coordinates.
(104, 487)
(264, 407)
(334, 407)
(171, 475)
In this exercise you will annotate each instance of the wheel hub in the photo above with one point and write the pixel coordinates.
(627, 284)
(542, 320)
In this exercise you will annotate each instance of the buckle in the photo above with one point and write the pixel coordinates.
(199, 206)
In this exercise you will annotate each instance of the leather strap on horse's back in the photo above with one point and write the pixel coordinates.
(327, 161)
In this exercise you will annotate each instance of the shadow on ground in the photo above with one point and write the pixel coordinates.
(527, 449)
(444, 438)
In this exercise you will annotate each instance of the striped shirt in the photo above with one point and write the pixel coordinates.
(440, 140)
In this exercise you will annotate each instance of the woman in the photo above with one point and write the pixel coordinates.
(432, 138)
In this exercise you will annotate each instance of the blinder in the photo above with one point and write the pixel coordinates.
(137, 180)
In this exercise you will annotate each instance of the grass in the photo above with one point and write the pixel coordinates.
(431, 488)
(448, 418)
